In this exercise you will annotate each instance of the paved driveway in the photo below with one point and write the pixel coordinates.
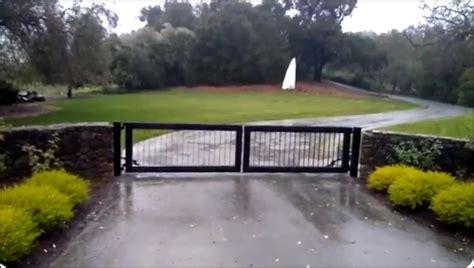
(265, 220)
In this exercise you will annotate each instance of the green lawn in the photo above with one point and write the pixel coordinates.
(457, 127)
(191, 106)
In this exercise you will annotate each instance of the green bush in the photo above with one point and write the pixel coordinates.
(415, 189)
(8, 93)
(466, 88)
(383, 177)
(455, 205)
(17, 233)
(466, 94)
(73, 186)
(422, 155)
(48, 207)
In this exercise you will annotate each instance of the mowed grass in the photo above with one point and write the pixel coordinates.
(456, 126)
(192, 106)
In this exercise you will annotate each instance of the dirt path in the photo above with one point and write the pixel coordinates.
(25, 110)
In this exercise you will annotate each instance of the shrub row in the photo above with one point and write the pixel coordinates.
(452, 202)
(38, 204)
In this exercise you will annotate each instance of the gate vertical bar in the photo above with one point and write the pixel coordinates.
(346, 150)
(246, 154)
(355, 152)
(117, 149)
(238, 149)
(128, 147)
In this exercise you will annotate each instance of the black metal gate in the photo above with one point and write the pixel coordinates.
(180, 148)
(236, 148)
(301, 149)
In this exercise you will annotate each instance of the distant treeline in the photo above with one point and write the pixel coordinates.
(234, 42)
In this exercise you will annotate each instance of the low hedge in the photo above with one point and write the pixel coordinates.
(76, 188)
(416, 189)
(18, 232)
(455, 205)
(383, 177)
(48, 207)
(40, 203)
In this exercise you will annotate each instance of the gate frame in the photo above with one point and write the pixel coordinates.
(129, 167)
(350, 156)
(346, 149)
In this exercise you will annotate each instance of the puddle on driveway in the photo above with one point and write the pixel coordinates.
(258, 220)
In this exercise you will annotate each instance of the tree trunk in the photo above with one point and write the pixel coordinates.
(394, 87)
(318, 72)
(69, 90)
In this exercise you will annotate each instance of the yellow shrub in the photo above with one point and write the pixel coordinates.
(76, 188)
(383, 177)
(48, 207)
(17, 233)
(416, 189)
(455, 205)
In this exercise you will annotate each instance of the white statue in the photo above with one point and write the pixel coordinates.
(289, 83)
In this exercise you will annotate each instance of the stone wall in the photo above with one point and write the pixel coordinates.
(84, 149)
(456, 156)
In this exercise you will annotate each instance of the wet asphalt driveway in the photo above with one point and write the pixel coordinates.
(265, 220)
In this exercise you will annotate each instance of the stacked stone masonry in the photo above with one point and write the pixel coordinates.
(84, 149)
(457, 156)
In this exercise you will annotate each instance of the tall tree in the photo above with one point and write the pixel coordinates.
(232, 45)
(87, 52)
(313, 10)
(147, 59)
(47, 52)
(315, 31)
(403, 65)
(178, 14)
(456, 18)
(444, 44)
(22, 19)
(70, 49)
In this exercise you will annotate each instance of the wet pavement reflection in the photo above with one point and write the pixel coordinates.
(256, 220)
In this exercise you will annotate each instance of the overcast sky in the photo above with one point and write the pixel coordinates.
(369, 15)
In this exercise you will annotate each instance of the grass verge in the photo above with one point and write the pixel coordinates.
(456, 127)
